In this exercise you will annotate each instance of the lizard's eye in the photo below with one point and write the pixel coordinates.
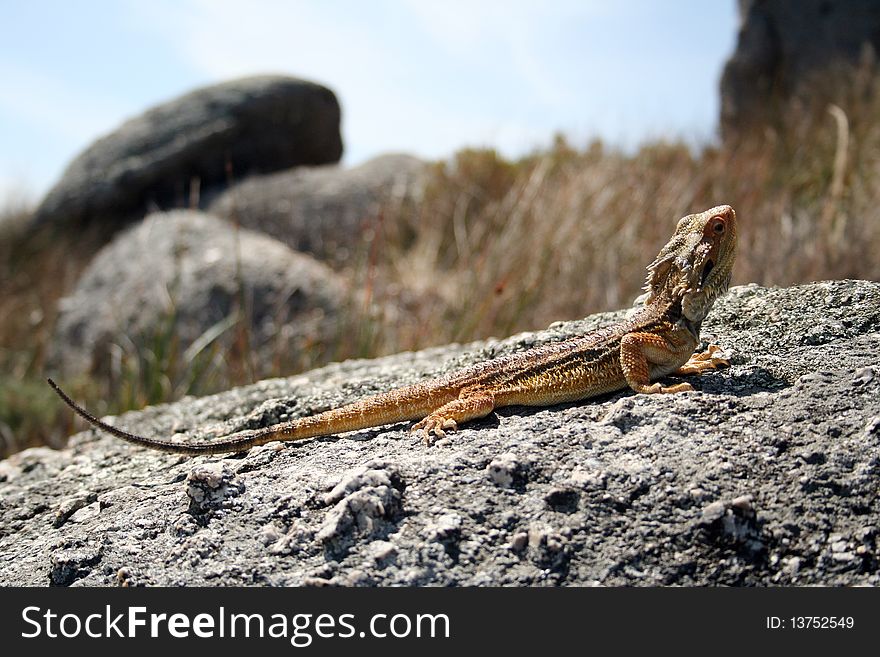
(717, 225)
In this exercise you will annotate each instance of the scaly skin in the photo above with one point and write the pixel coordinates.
(690, 272)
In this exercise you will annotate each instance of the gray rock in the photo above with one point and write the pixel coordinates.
(364, 502)
(177, 276)
(506, 470)
(327, 210)
(701, 488)
(210, 486)
(781, 47)
(253, 125)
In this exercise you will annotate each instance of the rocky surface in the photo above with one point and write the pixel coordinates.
(327, 211)
(782, 45)
(175, 153)
(192, 278)
(767, 474)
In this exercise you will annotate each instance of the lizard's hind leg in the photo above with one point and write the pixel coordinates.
(449, 416)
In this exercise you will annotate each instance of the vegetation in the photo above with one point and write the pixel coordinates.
(492, 247)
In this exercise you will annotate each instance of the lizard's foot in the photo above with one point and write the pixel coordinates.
(437, 425)
(468, 406)
(711, 359)
(656, 388)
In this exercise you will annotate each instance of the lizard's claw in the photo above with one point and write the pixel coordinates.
(436, 425)
(678, 387)
(711, 359)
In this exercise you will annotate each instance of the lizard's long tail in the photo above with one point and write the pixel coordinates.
(412, 403)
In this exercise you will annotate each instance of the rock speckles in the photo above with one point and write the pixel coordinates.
(210, 486)
(507, 471)
(364, 503)
(72, 562)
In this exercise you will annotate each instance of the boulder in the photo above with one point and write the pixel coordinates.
(765, 475)
(175, 153)
(326, 211)
(783, 45)
(186, 276)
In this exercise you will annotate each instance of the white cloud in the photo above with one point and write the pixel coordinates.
(382, 63)
(39, 98)
(506, 34)
(47, 121)
(14, 191)
(463, 25)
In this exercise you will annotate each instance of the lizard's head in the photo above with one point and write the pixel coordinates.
(696, 264)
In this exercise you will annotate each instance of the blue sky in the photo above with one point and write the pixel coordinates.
(422, 76)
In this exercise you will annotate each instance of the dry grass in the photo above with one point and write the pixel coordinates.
(514, 246)
(494, 247)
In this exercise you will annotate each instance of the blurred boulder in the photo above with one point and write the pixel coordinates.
(325, 210)
(783, 46)
(176, 153)
(183, 277)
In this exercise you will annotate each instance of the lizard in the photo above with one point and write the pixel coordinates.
(659, 339)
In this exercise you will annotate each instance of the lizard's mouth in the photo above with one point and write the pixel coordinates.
(710, 265)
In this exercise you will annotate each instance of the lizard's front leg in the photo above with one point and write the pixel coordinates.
(639, 350)
(469, 406)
